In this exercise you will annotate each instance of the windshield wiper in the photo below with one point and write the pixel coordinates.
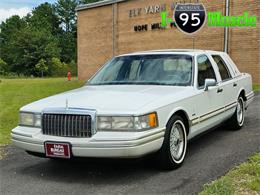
(133, 83)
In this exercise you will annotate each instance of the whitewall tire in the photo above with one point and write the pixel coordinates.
(173, 151)
(237, 120)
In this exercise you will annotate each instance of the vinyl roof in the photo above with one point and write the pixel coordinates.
(97, 4)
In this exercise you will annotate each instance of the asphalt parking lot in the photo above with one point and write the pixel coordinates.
(208, 157)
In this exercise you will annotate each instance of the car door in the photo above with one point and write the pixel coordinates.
(209, 103)
(227, 85)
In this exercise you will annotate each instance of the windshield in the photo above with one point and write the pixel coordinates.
(146, 70)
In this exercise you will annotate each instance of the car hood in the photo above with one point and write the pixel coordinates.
(109, 99)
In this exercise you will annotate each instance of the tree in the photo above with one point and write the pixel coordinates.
(28, 40)
(65, 9)
(3, 67)
(41, 67)
(44, 18)
(29, 47)
(58, 68)
(67, 43)
(11, 27)
(9, 30)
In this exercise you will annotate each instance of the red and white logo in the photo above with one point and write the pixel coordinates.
(58, 150)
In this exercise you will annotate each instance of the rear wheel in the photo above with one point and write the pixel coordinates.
(173, 151)
(237, 120)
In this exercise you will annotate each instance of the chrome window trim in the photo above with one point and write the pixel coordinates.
(197, 72)
(226, 66)
(193, 64)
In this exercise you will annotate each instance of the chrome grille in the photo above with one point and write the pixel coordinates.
(66, 125)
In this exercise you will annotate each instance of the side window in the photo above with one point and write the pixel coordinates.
(223, 70)
(205, 70)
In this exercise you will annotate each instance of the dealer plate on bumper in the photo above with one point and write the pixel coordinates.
(57, 149)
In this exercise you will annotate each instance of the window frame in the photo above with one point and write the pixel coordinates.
(193, 63)
(225, 65)
(197, 70)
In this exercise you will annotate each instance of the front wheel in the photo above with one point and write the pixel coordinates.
(237, 120)
(173, 151)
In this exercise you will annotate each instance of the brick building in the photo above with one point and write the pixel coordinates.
(113, 27)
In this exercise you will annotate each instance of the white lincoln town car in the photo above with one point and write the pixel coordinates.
(136, 104)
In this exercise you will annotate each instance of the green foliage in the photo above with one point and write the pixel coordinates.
(243, 179)
(27, 49)
(67, 41)
(46, 33)
(17, 92)
(10, 28)
(256, 87)
(3, 67)
(255, 185)
(9, 31)
(45, 18)
(73, 68)
(41, 67)
(66, 10)
(12, 75)
(59, 68)
(222, 186)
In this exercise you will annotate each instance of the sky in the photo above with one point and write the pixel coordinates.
(18, 7)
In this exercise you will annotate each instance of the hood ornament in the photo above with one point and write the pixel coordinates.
(67, 104)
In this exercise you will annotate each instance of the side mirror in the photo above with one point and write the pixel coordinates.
(209, 83)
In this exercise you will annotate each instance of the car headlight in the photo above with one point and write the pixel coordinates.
(127, 123)
(30, 119)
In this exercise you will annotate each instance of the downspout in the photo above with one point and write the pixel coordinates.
(226, 33)
(114, 28)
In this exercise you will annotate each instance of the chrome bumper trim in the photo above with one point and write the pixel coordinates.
(97, 143)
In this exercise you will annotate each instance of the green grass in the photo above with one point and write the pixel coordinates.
(256, 87)
(243, 179)
(14, 93)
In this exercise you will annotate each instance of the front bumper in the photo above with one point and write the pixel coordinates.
(102, 144)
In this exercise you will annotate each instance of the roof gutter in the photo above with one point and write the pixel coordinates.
(97, 4)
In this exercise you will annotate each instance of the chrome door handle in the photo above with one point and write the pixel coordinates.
(220, 90)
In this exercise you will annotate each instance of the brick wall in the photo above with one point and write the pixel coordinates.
(96, 46)
(94, 40)
(244, 43)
